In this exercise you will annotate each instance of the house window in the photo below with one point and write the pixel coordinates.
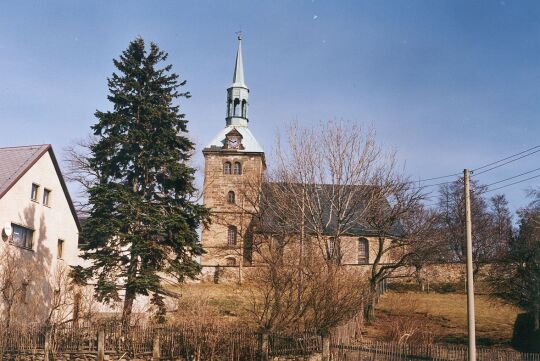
(363, 251)
(34, 193)
(46, 196)
(231, 261)
(231, 197)
(227, 168)
(231, 236)
(60, 249)
(237, 168)
(22, 236)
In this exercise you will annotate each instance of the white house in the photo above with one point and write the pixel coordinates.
(38, 222)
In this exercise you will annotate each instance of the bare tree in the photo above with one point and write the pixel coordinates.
(517, 275)
(15, 276)
(311, 208)
(491, 228)
(79, 171)
(402, 228)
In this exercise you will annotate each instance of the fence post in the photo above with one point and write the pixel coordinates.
(47, 345)
(263, 347)
(156, 350)
(101, 343)
(325, 347)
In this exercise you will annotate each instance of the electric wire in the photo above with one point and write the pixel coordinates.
(441, 177)
(505, 163)
(511, 184)
(516, 176)
(509, 158)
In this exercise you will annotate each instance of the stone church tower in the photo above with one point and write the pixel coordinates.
(234, 164)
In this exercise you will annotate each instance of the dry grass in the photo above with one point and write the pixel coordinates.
(443, 315)
(230, 301)
(446, 316)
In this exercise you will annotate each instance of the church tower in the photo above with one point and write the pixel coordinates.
(234, 164)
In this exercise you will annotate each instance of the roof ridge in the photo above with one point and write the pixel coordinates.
(25, 146)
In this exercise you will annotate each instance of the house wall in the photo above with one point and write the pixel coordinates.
(49, 223)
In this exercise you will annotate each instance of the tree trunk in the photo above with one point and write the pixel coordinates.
(325, 347)
(130, 292)
(128, 307)
(369, 312)
(263, 347)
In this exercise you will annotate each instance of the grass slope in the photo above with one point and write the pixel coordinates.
(445, 315)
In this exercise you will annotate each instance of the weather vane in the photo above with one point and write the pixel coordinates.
(239, 34)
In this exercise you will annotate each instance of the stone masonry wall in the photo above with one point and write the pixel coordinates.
(216, 187)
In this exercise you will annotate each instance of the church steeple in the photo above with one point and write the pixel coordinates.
(238, 93)
(238, 77)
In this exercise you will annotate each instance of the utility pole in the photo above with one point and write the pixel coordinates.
(470, 285)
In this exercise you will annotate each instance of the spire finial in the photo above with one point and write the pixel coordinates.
(239, 35)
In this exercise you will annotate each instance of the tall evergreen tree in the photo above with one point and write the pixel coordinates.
(143, 220)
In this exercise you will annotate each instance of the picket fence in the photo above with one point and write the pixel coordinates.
(221, 343)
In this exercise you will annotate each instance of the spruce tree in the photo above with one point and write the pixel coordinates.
(143, 221)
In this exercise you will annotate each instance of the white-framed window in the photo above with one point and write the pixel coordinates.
(363, 251)
(34, 193)
(22, 236)
(60, 249)
(46, 196)
(231, 236)
(237, 168)
(227, 168)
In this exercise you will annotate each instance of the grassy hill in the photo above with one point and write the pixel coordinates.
(439, 316)
(444, 315)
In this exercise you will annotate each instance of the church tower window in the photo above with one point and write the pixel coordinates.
(231, 236)
(236, 107)
(363, 251)
(231, 197)
(244, 109)
(227, 168)
(237, 168)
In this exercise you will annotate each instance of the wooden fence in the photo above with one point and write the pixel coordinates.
(220, 343)
(382, 351)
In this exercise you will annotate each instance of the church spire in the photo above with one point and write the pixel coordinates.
(238, 77)
(238, 93)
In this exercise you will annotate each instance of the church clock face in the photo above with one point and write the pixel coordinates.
(234, 143)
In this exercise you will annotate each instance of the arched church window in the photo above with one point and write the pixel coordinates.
(231, 236)
(237, 168)
(236, 107)
(229, 107)
(244, 108)
(363, 251)
(227, 168)
(231, 197)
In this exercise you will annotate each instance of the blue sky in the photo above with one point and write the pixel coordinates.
(447, 84)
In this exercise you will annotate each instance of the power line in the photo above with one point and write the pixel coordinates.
(511, 184)
(441, 177)
(507, 162)
(433, 185)
(516, 176)
(509, 159)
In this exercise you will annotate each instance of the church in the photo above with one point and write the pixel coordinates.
(234, 168)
